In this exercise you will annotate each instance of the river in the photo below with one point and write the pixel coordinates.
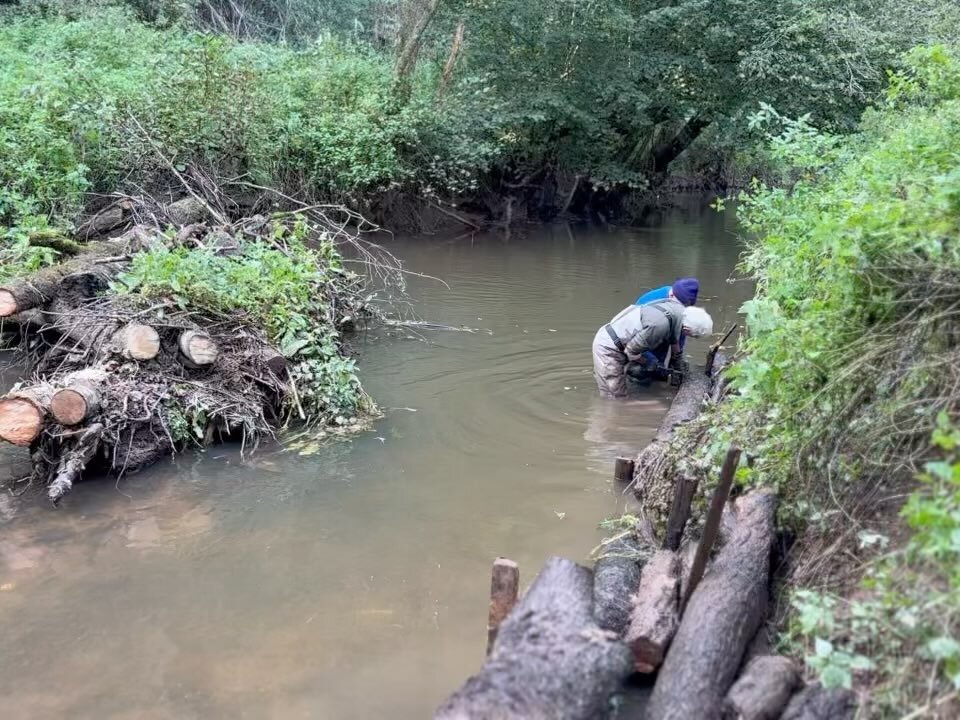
(352, 583)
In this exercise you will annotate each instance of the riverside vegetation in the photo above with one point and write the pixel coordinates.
(845, 392)
(845, 389)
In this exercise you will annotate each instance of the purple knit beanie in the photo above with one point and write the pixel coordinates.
(685, 290)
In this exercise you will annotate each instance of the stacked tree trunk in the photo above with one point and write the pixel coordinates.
(117, 382)
(575, 638)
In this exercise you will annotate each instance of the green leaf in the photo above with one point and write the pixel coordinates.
(943, 648)
(836, 677)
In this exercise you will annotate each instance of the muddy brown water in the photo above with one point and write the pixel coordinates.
(352, 583)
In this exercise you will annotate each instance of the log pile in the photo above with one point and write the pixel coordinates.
(550, 658)
(574, 639)
(117, 381)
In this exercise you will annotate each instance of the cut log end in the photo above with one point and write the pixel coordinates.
(8, 304)
(139, 342)
(21, 421)
(73, 405)
(763, 690)
(198, 349)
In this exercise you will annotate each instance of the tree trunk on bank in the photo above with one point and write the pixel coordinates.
(550, 661)
(815, 702)
(41, 287)
(721, 618)
(412, 40)
(666, 153)
(455, 47)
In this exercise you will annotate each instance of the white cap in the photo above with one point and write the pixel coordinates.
(697, 321)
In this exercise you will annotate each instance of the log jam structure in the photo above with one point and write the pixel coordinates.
(116, 381)
(576, 636)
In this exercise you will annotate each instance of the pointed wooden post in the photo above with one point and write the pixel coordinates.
(712, 525)
(679, 512)
(504, 588)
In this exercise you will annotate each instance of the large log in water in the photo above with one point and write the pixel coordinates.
(763, 690)
(721, 618)
(550, 660)
(656, 612)
(616, 576)
(651, 477)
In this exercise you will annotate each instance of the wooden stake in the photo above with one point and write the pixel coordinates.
(715, 348)
(679, 512)
(623, 470)
(504, 588)
(712, 525)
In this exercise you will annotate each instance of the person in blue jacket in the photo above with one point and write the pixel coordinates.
(685, 291)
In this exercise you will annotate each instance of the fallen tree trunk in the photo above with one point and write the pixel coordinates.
(721, 618)
(550, 660)
(656, 612)
(816, 702)
(616, 575)
(43, 286)
(23, 413)
(763, 690)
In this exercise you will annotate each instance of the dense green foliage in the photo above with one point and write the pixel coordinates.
(851, 365)
(284, 287)
(85, 102)
(302, 95)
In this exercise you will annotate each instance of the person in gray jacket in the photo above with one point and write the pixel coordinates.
(632, 337)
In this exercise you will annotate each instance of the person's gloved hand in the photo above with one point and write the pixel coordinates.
(650, 361)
